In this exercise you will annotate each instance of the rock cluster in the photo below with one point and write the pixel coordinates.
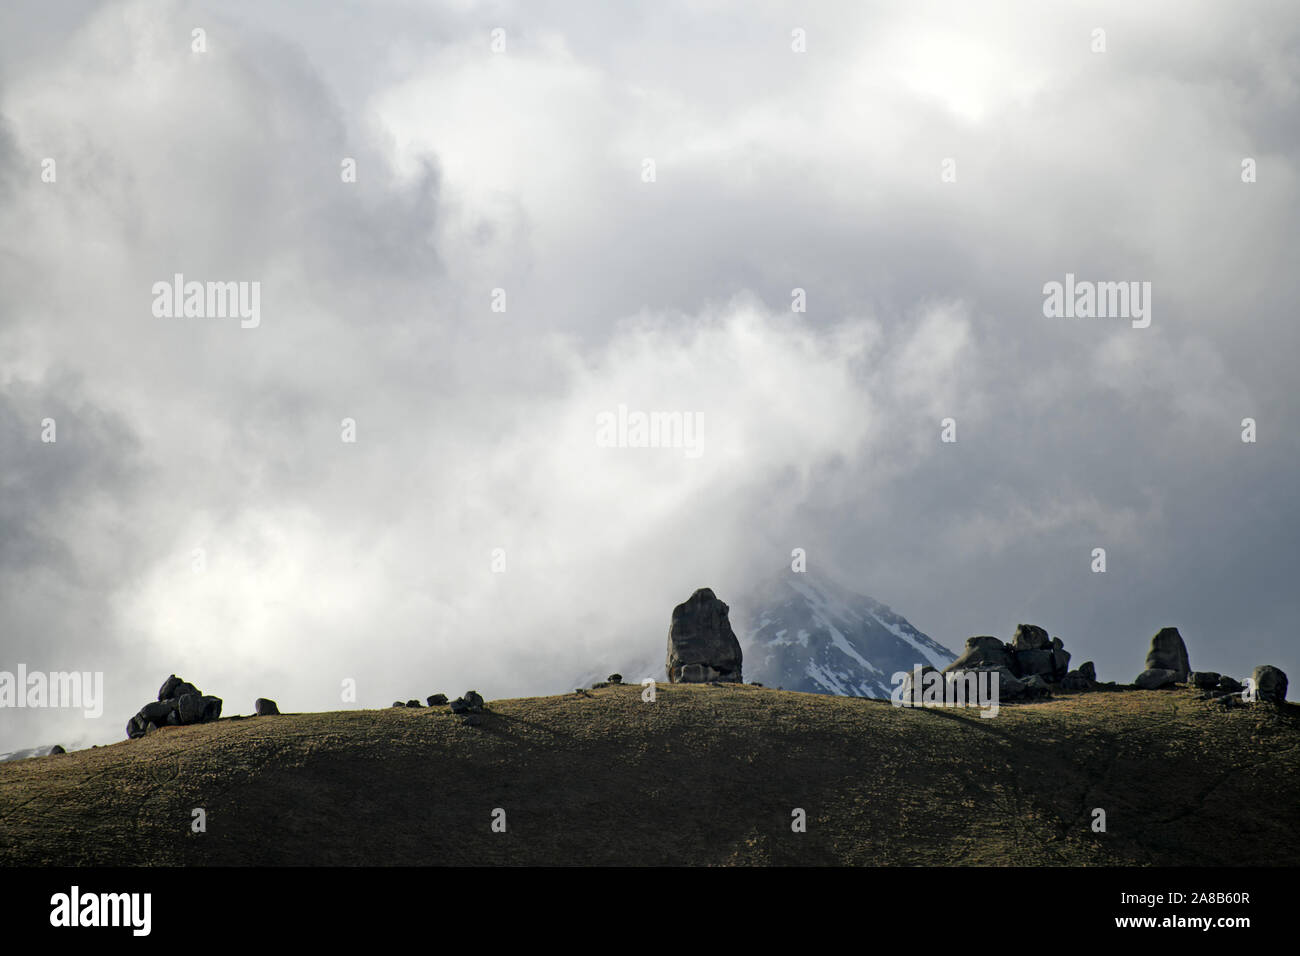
(434, 700)
(1083, 678)
(1029, 665)
(179, 703)
(471, 703)
(702, 647)
(1168, 664)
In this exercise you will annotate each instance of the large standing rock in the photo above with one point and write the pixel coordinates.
(265, 707)
(1168, 652)
(1036, 686)
(701, 634)
(1088, 670)
(982, 650)
(1270, 683)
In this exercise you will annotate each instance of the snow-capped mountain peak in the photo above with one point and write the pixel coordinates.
(807, 632)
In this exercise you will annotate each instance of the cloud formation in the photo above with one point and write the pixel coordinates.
(193, 442)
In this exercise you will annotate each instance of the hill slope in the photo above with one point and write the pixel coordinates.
(704, 775)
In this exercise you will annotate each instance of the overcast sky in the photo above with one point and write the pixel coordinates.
(522, 169)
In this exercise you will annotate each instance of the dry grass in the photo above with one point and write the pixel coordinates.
(705, 775)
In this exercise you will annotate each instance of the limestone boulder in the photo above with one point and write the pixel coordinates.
(702, 647)
(1168, 652)
(1270, 683)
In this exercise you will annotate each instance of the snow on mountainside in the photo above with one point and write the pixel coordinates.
(803, 631)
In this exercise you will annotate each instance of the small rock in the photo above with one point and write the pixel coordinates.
(1009, 686)
(458, 706)
(437, 700)
(1081, 679)
(398, 703)
(474, 699)
(1203, 679)
(1270, 683)
(265, 707)
(414, 703)
(1230, 685)
(1036, 686)
(1154, 678)
(615, 678)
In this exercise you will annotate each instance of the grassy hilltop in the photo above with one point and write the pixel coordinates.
(704, 775)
